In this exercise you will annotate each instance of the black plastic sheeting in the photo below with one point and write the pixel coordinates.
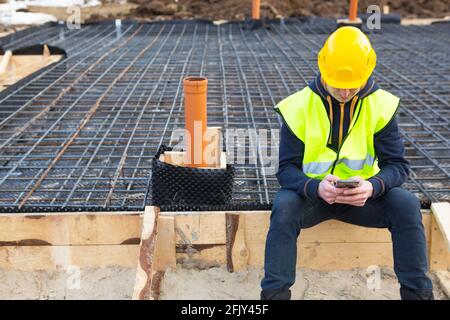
(180, 188)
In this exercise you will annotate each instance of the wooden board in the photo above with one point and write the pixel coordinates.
(439, 257)
(70, 229)
(240, 251)
(16, 67)
(441, 212)
(165, 244)
(201, 256)
(145, 259)
(209, 228)
(213, 149)
(331, 245)
(332, 256)
(200, 229)
(32, 258)
(177, 158)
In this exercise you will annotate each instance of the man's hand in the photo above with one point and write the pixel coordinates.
(355, 196)
(326, 190)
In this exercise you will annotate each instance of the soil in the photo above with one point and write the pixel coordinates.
(186, 283)
(144, 10)
(218, 283)
(94, 284)
(238, 9)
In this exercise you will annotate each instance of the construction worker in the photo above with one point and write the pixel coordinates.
(343, 126)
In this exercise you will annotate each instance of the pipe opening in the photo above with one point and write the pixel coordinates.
(195, 79)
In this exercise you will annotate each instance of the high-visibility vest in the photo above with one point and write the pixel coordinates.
(306, 117)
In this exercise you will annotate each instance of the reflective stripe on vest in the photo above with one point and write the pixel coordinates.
(323, 167)
(306, 117)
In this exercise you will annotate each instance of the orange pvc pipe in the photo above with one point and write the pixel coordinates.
(256, 10)
(195, 115)
(353, 12)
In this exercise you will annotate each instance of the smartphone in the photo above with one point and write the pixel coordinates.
(346, 183)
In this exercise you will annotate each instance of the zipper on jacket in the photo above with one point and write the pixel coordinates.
(341, 124)
(348, 133)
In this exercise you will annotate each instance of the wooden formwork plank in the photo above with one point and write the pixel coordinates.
(332, 256)
(144, 274)
(240, 251)
(208, 228)
(201, 256)
(441, 212)
(16, 67)
(70, 229)
(99, 228)
(213, 151)
(178, 158)
(32, 258)
(200, 239)
(439, 256)
(329, 245)
(165, 244)
(200, 229)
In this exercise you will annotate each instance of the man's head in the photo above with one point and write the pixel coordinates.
(346, 62)
(341, 95)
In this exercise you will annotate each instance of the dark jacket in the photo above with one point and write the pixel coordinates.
(389, 149)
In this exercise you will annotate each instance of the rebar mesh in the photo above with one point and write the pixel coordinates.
(81, 134)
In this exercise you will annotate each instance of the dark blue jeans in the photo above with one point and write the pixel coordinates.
(398, 210)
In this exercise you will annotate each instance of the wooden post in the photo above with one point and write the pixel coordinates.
(165, 244)
(239, 251)
(440, 236)
(5, 61)
(144, 274)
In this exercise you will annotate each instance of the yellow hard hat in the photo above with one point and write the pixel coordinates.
(347, 58)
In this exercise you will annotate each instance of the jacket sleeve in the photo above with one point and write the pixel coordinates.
(290, 174)
(394, 168)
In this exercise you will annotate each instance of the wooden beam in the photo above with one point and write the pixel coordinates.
(144, 274)
(201, 256)
(83, 228)
(441, 212)
(35, 258)
(200, 229)
(5, 60)
(165, 244)
(178, 158)
(439, 257)
(208, 228)
(216, 158)
(328, 246)
(16, 67)
(213, 137)
(239, 250)
(200, 241)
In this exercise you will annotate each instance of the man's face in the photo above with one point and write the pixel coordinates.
(342, 95)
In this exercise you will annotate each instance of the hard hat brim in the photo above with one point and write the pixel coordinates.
(344, 85)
